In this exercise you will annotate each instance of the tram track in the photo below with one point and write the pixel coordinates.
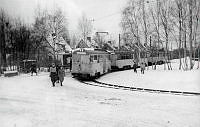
(139, 89)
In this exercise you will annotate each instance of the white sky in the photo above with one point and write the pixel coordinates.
(106, 13)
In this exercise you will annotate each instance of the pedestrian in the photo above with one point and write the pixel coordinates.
(135, 67)
(53, 74)
(70, 65)
(33, 69)
(61, 75)
(142, 67)
(57, 68)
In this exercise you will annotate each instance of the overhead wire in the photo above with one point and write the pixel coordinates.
(110, 15)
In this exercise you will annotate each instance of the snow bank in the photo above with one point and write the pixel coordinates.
(158, 79)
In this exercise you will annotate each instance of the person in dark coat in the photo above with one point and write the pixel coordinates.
(70, 65)
(142, 66)
(61, 75)
(33, 69)
(53, 74)
(57, 68)
(135, 67)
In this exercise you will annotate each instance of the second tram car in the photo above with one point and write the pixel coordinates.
(122, 59)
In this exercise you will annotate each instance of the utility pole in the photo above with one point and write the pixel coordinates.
(158, 23)
(144, 20)
(119, 41)
(151, 53)
(190, 33)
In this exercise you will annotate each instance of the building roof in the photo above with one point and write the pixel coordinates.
(108, 46)
(82, 44)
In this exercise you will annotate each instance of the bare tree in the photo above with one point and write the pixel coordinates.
(166, 22)
(196, 27)
(165, 16)
(131, 24)
(49, 28)
(191, 31)
(84, 27)
(156, 22)
(74, 40)
(3, 25)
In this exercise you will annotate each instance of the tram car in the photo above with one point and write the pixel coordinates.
(92, 63)
(122, 59)
(159, 58)
(87, 63)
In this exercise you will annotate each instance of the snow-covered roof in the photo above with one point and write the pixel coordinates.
(82, 44)
(78, 49)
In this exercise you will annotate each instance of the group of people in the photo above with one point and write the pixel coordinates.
(57, 74)
(142, 67)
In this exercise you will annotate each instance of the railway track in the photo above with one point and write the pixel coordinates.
(139, 89)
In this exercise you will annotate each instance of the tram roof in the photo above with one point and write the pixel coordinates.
(29, 60)
(89, 51)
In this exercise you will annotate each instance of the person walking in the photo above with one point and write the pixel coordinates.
(61, 75)
(135, 67)
(33, 69)
(53, 74)
(70, 66)
(142, 67)
(57, 68)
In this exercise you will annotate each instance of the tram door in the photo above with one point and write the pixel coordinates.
(66, 60)
(76, 63)
(104, 63)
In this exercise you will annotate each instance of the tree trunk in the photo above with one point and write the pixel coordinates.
(180, 32)
(198, 57)
(190, 33)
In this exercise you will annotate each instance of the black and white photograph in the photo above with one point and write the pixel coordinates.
(99, 63)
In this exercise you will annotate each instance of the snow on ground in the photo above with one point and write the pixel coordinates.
(30, 101)
(175, 79)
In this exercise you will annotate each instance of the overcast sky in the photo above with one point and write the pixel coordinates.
(106, 13)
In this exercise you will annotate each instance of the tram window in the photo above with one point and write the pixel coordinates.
(95, 57)
(119, 57)
(125, 56)
(98, 57)
(122, 57)
(109, 57)
(129, 56)
(91, 58)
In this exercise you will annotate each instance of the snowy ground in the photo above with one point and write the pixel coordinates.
(30, 101)
(175, 79)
